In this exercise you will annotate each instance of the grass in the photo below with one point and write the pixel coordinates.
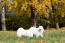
(57, 36)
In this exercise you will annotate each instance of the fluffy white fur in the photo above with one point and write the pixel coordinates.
(41, 30)
(37, 31)
(21, 32)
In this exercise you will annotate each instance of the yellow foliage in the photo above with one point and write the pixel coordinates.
(3, 3)
(34, 3)
(43, 7)
(8, 0)
(39, 7)
(46, 15)
(29, 3)
(17, 12)
(62, 15)
(63, 1)
(15, 4)
(23, 7)
(28, 12)
(10, 7)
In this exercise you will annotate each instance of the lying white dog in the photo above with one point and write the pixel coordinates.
(21, 32)
(37, 31)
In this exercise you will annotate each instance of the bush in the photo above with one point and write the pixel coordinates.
(15, 21)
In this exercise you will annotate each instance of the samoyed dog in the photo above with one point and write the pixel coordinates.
(21, 32)
(41, 30)
(37, 31)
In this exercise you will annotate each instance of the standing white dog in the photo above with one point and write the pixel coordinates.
(21, 32)
(37, 31)
(41, 30)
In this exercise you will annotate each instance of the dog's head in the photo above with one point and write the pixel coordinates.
(41, 29)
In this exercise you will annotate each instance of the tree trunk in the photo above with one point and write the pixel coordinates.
(54, 11)
(47, 24)
(56, 21)
(33, 16)
(3, 19)
(47, 17)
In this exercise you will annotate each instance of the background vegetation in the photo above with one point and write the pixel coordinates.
(13, 22)
(27, 13)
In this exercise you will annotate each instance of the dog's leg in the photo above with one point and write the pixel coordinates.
(41, 35)
(37, 35)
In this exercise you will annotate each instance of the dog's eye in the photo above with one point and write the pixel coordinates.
(39, 29)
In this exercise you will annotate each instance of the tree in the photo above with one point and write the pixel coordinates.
(33, 13)
(54, 6)
(48, 10)
(26, 6)
(3, 3)
(3, 16)
(33, 7)
(3, 19)
(33, 17)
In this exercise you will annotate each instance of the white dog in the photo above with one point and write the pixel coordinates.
(41, 30)
(21, 32)
(37, 31)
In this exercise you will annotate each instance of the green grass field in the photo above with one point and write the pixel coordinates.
(57, 36)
